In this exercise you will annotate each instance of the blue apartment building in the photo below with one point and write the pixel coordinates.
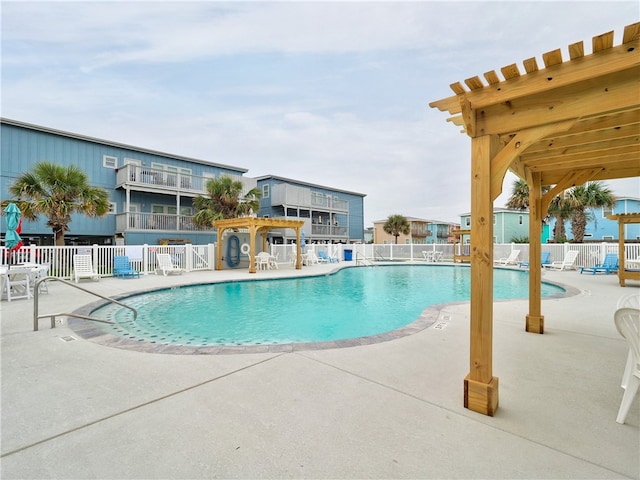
(600, 228)
(330, 215)
(151, 192)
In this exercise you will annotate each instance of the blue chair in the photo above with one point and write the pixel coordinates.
(608, 265)
(122, 267)
(324, 258)
(544, 260)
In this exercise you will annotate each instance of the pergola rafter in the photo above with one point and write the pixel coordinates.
(563, 125)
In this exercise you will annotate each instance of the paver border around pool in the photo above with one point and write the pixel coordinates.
(88, 330)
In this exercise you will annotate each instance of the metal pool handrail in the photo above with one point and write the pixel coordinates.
(53, 316)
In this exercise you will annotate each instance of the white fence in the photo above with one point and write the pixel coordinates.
(142, 257)
(202, 257)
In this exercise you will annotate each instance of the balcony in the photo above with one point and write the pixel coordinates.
(160, 181)
(126, 222)
(294, 196)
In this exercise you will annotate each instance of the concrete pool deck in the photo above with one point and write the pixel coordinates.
(72, 408)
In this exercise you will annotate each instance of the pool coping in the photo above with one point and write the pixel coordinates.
(88, 330)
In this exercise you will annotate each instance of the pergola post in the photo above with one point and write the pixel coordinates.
(252, 248)
(219, 248)
(535, 319)
(480, 386)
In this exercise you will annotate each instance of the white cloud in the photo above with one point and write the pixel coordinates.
(334, 93)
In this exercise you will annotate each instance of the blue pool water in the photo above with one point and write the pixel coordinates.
(354, 302)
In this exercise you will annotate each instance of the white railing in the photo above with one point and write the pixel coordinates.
(202, 257)
(157, 221)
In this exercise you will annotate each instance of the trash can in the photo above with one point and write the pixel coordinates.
(348, 254)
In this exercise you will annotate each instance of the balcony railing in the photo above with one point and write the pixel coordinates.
(157, 221)
(139, 176)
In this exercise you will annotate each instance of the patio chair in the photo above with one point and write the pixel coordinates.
(629, 301)
(262, 261)
(39, 272)
(512, 259)
(83, 268)
(17, 282)
(566, 264)
(310, 258)
(544, 260)
(627, 322)
(608, 265)
(122, 267)
(166, 266)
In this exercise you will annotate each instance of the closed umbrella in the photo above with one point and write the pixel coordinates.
(302, 242)
(12, 240)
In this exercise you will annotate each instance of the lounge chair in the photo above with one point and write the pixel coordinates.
(122, 267)
(566, 264)
(627, 322)
(608, 265)
(544, 260)
(324, 258)
(83, 268)
(166, 266)
(512, 259)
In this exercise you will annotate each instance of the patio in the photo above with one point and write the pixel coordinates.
(74, 409)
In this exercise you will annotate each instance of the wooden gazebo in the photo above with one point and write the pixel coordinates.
(257, 225)
(562, 125)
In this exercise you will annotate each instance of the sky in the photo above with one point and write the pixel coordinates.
(331, 93)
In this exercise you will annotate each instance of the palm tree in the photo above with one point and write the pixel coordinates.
(587, 196)
(224, 200)
(396, 225)
(519, 198)
(58, 192)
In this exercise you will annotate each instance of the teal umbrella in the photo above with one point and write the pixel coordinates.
(11, 238)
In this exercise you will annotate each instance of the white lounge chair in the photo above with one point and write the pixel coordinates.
(166, 266)
(512, 259)
(83, 268)
(627, 322)
(566, 264)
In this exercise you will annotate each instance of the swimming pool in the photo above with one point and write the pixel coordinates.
(351, 303)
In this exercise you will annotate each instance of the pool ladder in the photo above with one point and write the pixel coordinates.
(362, 261)
(53, 316)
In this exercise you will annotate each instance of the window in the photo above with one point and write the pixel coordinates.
(109, 162)
(113, 208)
(467, 221)
(495, 218)
(606, 211)
(265, 190)
(607, 237)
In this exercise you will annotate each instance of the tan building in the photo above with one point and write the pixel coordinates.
(421, 232)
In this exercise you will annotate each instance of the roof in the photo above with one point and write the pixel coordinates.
(300, 182)
(571, 121)
(85, 138)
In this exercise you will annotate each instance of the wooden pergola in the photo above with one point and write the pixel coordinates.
(257, 225)
(624, 273)
(562, 125)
